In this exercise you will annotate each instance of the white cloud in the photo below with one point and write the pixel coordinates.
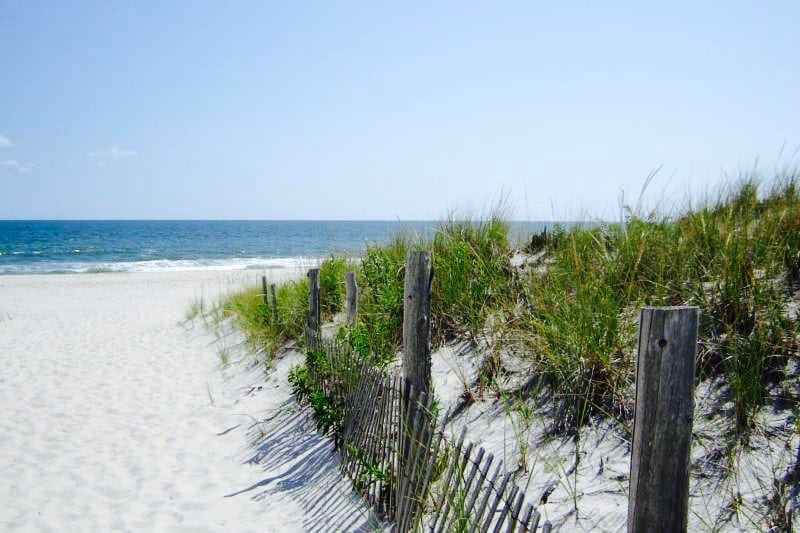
(15, 165)
(5, 142)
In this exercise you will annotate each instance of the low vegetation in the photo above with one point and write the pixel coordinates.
(566, 303)
(572, 308)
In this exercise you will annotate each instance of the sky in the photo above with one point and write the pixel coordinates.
(388, 110)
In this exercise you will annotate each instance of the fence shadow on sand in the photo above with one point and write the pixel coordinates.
(302, 463)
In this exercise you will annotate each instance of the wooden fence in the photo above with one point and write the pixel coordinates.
(399, 460)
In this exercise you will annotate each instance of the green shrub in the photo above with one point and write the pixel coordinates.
(327, 415)
(331, 285)
(380, 305)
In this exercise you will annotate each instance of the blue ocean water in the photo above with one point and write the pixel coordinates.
(119, 246)
(137, 246)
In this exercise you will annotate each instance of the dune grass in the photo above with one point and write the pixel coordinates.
(733, 258)
(379, 329)
(262, 328)
(574, 312)
(331, 284)
(472, 274)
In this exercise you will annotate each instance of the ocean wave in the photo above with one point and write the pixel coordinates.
(160, 265)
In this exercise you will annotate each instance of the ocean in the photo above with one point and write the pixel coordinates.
(53, 247)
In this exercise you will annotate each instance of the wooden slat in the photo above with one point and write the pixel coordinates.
(531, 520)
(476, 490)
(507, 503)
(378, 453)
(360, 431)
(356, 404)
(460, 463)
(465, 491)
(389, 425)
(487, 493)
(448, 476)
(403, 444)
(415, 406)
(497, 499)
(432, 460)
(421, 456)
(514, 519)
(395, 443)
(366, 423)
(372, 444)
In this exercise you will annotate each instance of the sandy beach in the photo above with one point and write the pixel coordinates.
(116, 414)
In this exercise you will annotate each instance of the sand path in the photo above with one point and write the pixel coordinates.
(114, 416)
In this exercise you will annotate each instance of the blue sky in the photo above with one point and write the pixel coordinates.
(378, 110)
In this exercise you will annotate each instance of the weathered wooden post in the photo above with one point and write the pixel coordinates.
(265, 294)
(314, 320)
(662, 430)
(274, 303)
(351, 297)
(417, 321)
(416, 370)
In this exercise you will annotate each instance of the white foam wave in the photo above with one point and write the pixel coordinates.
(161, 265)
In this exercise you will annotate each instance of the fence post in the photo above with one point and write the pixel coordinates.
(313, 322)
(417, 321)
(264, 290)
(274, 304)
(416, 369)
(351, 297)
(662, 430)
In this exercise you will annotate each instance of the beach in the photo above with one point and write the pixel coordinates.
(117, 414)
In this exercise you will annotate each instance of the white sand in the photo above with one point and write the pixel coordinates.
(114, 415)
(586, 481)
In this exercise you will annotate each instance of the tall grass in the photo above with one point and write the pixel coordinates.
(732, 257)
(575, 313)
(380, 300)
(472, 274)
(331, 285)
(255, 319)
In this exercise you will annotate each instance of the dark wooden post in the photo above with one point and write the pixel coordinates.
(662, 430)
(417, 321)
(274, 304)
(351, 297)
(314, 320)
(264, 290)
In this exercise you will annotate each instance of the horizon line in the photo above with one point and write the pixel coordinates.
(257, 220)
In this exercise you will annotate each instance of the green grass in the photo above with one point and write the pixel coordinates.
(331, 285)
(472, 274)
(575, 313)
(269, 330)
(256, 320)
(380, 300)
(733, 258)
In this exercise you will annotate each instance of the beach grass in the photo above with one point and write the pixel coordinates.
(573, 309)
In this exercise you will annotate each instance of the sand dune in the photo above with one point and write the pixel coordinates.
(115, 416)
